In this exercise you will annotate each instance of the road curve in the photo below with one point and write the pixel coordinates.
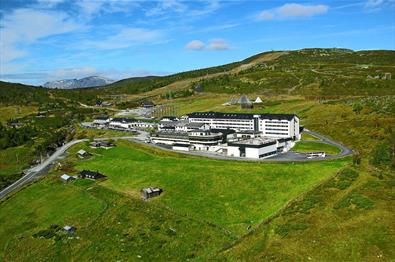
(344, 150)
(31, 173)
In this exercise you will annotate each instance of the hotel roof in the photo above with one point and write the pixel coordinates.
(240, 115)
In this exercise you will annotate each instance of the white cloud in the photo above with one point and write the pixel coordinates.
(126, 37)
(213, 45)
(292, 10)
(91, 8)
(195, 45)
(49, 3)
(373, 3)
(218, 45)
(166, 6)
(26, 26)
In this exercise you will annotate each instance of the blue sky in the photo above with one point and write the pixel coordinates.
(46, 40)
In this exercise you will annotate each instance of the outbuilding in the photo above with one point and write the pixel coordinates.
(67, 178)
(69, 229)
(150, 192)
(82, 153)
(91, 174)
(101, 144)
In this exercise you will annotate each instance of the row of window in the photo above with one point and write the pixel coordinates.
(276, 133)
(276, 122)
(277, 129)
(277, 125)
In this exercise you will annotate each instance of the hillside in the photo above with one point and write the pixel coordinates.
(307, 72)
(211, 209)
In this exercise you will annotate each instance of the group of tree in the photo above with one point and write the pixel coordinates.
(11, 137)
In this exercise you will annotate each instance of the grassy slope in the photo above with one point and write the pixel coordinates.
(13, 160)
(321, 227)
(11, 112)
(234, 195)
(316, 147)
(109, 225)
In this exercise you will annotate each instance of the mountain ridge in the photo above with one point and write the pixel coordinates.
(86, 82)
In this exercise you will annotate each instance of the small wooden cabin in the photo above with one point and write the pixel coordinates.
(150, 192)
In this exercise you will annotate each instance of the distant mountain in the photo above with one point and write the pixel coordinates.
(90, 81)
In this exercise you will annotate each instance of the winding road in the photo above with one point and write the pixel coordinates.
(35, 171)
(142, 137)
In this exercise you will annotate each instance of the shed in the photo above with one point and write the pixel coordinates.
(103, 144)
(91, 174)
(67, 178)
(82, 153)
(69, 229)
(147, 104)
(150, 192)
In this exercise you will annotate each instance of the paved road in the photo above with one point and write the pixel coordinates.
(36, 170)
(283, 157)
(345, 150)
(143, 136)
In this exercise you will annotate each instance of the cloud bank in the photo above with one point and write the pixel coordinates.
(289, 11)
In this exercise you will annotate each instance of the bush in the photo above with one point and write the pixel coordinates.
(344, 179)
(357, 199)
(381, 155)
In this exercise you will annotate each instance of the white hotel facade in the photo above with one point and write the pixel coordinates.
(269, 125)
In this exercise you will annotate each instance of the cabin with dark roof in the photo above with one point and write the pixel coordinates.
(101, 144)
(147, 104)
(91, 175)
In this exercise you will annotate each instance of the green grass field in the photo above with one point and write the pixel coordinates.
(216, 201)
(230, 194)
(303, 146)
(209, 203)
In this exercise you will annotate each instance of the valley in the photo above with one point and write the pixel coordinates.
(210, 209)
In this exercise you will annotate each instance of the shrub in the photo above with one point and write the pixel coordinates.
(381, 155)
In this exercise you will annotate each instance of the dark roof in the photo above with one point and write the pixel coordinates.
(150, 103)
(91, 173)
(239, 115)
(124, 120)
(101, 118)
(181, 145)
(227, 131)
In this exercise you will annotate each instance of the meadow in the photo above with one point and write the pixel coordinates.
(234, 195)
(206, 205)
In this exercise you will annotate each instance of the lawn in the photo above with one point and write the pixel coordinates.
(231, 194)
(302, 146)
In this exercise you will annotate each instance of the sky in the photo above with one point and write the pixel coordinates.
(45, 40)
